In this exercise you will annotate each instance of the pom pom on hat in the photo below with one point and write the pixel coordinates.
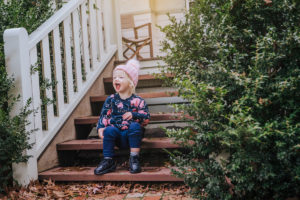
(132, 69)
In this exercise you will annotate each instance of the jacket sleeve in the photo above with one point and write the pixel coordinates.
(105, 116)
(142, 115)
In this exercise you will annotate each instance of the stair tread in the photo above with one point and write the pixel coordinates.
(141, 77)
(153, 118)
(118, 62)
(121, 174)
(96, 144)
(143, 95)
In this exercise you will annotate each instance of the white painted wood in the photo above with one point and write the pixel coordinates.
(68, 59)
(17, 46)
(107, 16)
(57, 125)
(77, 55)
(155, 89)
(93, 33)
(52, 22)
(99, 30)
(36, 98)
(118, 30)
(149, 70)
(47, 77)
(161, 108)
(58, 71)
(85, 40)
(165, 100)
(166, 124)
(16, 51)
(116, 33)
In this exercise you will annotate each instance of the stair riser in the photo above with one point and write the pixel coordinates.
(152, 130)
(141, 84)
(98, 144)
(126, 178)
(148, 157)
(154, 118)
(87, 174)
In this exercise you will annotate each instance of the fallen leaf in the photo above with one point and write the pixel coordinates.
(59, 194)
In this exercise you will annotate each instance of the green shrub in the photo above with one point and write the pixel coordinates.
(238, 63)
(13, 136)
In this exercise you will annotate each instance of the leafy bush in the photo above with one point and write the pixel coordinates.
(13, 136)
(238, 64)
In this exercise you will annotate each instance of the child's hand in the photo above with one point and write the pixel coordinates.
(100, 132)
(127, 116)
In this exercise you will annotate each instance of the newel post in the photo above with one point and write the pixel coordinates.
(18, 66)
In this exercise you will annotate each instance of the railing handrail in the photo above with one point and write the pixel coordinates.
(59, 50)
(52, 22)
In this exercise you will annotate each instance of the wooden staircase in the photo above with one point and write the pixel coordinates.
(78, 158)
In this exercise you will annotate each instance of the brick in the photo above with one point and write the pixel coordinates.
(116, 197)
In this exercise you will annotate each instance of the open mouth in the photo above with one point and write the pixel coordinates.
(117, 86)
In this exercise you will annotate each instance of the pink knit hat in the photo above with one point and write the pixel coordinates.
(132, 69)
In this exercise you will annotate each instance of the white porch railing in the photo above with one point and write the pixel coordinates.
(73, 46)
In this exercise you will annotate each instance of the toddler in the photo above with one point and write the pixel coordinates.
(122, 119)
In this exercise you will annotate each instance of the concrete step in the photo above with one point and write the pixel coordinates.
(96, 144)
(121, 174)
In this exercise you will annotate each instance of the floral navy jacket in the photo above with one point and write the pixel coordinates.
(114, 107)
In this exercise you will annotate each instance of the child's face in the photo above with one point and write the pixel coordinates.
(121, 81)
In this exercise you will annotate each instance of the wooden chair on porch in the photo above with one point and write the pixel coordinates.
(136, 44)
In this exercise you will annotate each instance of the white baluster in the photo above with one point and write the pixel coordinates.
(58, 71)
(36, 98)
(100, 32)
(93, 33)
(85, 40)
(47, 77)
(107, 16)
(117, 30)
(77, 56)
(68, 59)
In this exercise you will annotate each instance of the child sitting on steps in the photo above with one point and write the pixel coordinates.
(121, 120)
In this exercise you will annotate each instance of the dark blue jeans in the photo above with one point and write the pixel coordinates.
(131, 137)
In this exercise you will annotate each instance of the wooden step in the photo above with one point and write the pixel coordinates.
(119, 62)
(145, 81)
(144, 77)
(148, 95)
(96, 144)
(153, 118)
(87, 174)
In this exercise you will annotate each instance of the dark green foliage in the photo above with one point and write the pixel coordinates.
(238, 63)
(13, 136)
